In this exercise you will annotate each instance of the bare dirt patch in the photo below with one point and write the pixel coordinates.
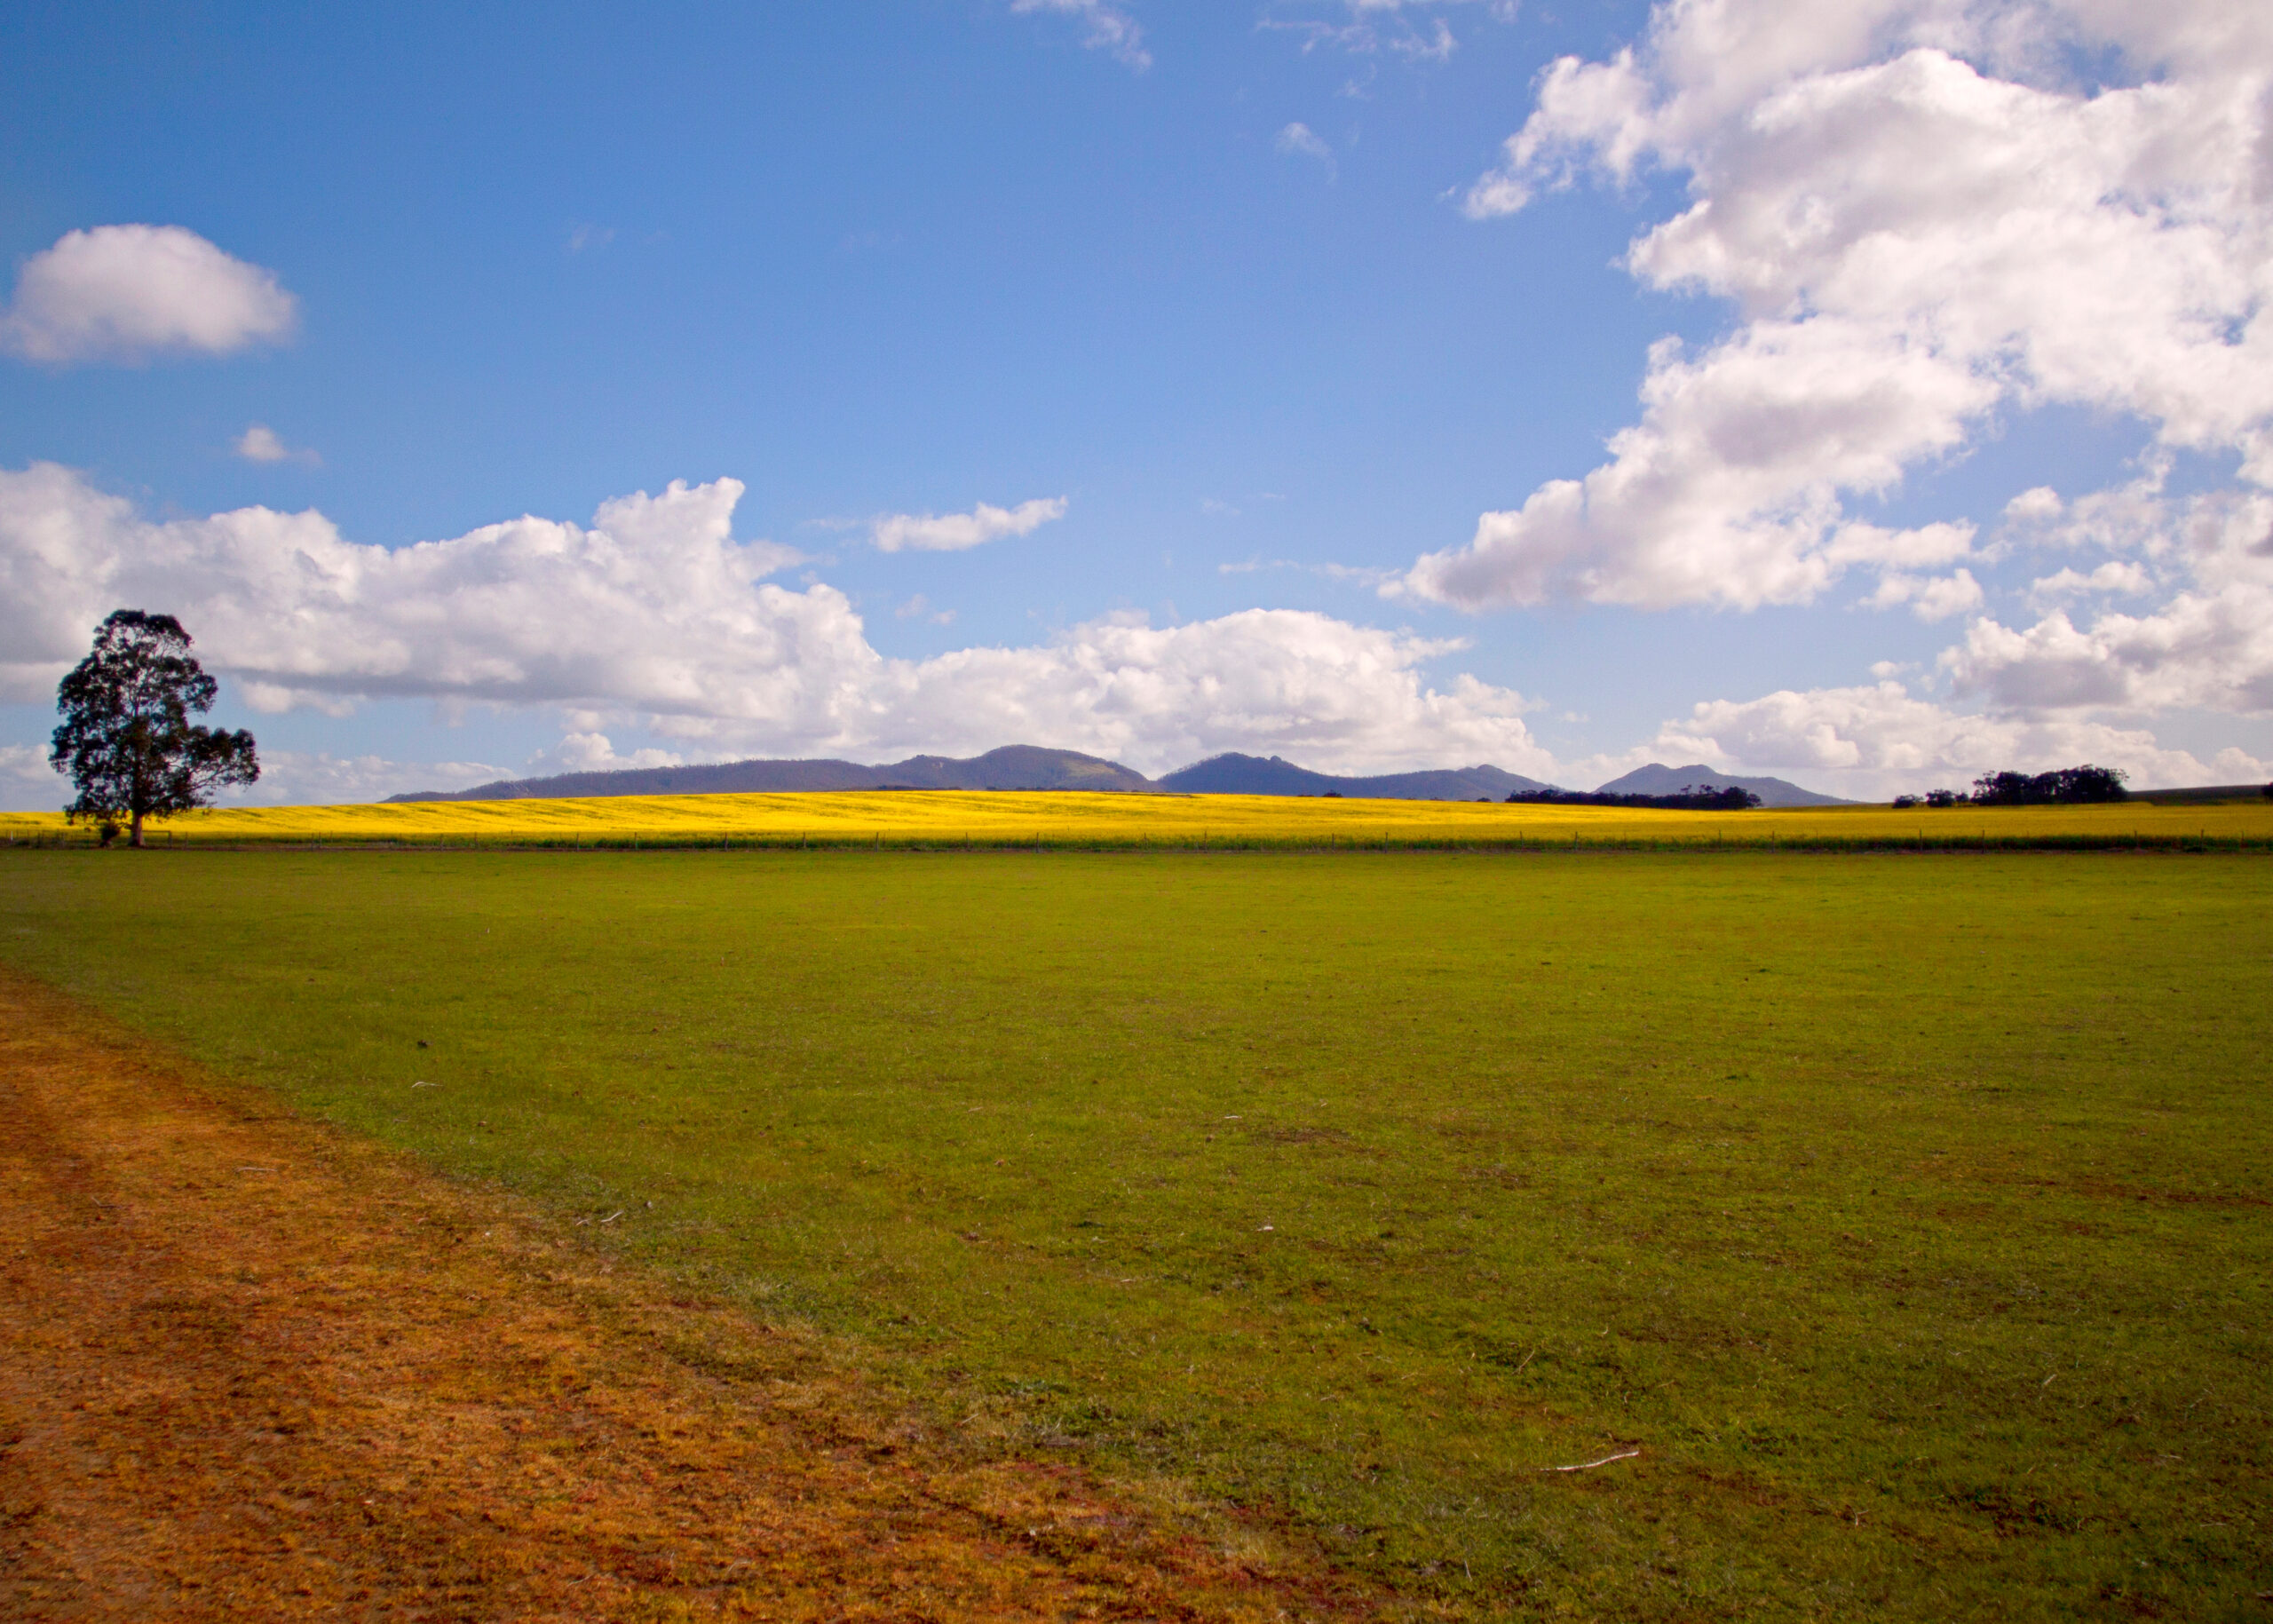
(249, 1368)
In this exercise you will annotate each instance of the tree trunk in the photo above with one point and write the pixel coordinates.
(136, 840)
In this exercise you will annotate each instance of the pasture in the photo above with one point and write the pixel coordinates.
(933, 819)
(1908, 1214)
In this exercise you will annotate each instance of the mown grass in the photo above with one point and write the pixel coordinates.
(1909, 1213)
(950, 819)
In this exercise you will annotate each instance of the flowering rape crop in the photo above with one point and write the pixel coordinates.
(954, 818)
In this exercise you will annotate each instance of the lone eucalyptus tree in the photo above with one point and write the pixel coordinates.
(127, 741)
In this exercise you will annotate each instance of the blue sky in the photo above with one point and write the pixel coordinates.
(1229, 280)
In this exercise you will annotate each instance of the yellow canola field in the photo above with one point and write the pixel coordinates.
(1000, 818)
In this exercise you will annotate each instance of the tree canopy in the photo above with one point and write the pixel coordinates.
(2063, 786)
(1689, 797)
(127, 741)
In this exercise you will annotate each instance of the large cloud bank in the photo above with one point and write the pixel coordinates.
(654, 616)
(1923, 217)
(1912, 241)
(1877, 739)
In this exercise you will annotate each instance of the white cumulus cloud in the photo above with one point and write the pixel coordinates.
(2119, 576)
(1920, 219)
(2208, 646)
(595, 752)
(1875, 742)
(954, 532)
(1342, 697)
(1931, 597)
(653, 617)
(127, 293)
(259, 443)
(27, 783)
(526, 611)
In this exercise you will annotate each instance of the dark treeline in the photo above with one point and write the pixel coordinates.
(1688, 798)
(2062, 787)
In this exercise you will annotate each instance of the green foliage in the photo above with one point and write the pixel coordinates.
(2084, 786)
(1909, 1213)
(2063, 786)
(1687, 798)
(126, 740)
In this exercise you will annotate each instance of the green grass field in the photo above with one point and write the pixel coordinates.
(1910, 1214)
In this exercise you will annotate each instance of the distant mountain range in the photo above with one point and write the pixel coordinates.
(1658, 779)
(1017, 766)
(1236, 774)
(1025, 766)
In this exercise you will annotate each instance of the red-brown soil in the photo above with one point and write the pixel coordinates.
(251, 1369)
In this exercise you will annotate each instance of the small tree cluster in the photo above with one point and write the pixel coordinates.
(2062, 787)
(127, 743)
(1688, 798)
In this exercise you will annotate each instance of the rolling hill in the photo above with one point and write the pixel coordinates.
(1658, 779)
(1237, 774)
(1017, 766)
(1025, 766)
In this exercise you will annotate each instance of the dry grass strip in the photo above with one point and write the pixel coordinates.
(249, 1368)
